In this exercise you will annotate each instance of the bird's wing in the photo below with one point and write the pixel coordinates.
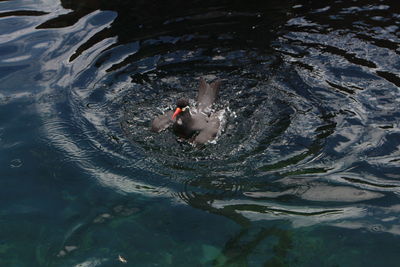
(162, 122)
(207, 93)
(203, 85)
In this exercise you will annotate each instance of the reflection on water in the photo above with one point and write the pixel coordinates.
(309, 153)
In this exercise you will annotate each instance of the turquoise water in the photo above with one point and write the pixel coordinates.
(305, 173)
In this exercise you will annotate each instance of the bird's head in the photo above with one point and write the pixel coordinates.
(181, 106)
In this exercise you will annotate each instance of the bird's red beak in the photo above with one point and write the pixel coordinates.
(177, 111)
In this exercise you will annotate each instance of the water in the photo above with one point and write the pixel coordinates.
(305, 172)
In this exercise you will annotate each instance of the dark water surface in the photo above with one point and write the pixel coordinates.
(305, 173)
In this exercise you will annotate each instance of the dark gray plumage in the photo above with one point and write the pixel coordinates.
(198, 124)
(162, 122)
(207, 94)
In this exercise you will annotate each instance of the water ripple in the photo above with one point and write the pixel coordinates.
(311, 130)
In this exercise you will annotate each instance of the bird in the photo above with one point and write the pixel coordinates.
(198, 124)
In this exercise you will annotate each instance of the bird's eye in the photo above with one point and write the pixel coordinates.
(187, 107)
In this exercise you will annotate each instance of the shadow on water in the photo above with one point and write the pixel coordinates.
(310, 94)
(144, 20)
